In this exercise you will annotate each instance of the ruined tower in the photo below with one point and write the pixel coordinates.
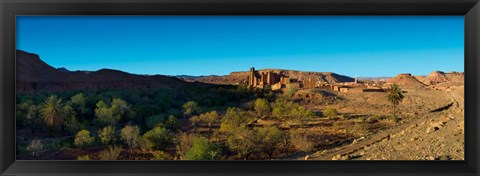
(251, 77)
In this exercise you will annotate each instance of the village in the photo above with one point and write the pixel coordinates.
(279, 81)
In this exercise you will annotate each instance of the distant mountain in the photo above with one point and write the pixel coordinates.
(236, 77)
(190, 78)
(34, 75)
(63, 69)
(376, 79)
(439, 77)
(435, 78)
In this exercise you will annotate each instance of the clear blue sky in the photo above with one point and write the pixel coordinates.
(205, 45)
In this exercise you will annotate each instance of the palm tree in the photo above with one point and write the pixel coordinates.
(52, 111)
(395, 95)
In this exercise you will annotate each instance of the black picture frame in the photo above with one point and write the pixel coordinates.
(11, 8)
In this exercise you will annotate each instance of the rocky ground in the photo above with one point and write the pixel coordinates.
(432, 127)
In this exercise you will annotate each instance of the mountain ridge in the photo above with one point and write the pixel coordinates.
(34, 75)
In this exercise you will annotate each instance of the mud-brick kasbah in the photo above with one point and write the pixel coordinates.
(278, 81)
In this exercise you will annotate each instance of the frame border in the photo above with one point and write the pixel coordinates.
(12, 8)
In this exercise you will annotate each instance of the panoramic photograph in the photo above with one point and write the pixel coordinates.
(240, 88)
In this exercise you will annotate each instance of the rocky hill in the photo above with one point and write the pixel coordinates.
(34, 75)
(236, 77)
(438, 77)
(406, 80)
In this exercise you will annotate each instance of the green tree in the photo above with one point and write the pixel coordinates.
(269, 139)
(131, 136)
(190, 108)
(262, 107)
(79, 104)
(202, 149)
(28, 115)
(121, 109)
(105, 115)
(107, 135)
(395, 96)
(235, 117)
(159, 138)
(71, 123)
(208, 118)
(53, 112)
(300, 114)
(282, 108)
(242, 141)
(110, 115)
(83, 139)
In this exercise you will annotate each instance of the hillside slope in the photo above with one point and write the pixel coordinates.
(34, 75)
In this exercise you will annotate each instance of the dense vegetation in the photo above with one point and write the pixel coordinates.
(191, 123)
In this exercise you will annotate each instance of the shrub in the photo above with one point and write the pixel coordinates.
(105, 115)
(202, 149)
(159, 138)
(161, 155)
(290, 91)
(389, 121)
(359, 129)
(121, 109)
(373, 119)
(268, 139)
(71, 123)
(241, 140)
(262, 107)
(83, 139)
(131, 136)
(84, 157)
(185, 141)
(330, 112)
(234, 118)
(208, 118)
(110, 115)
(107, 135)
(301, 142)
(190, 108)
(172, 122)
(111, 153)
(79, 104)
(300, 114)
(287, 110)
(195, 121)
(35, 146)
